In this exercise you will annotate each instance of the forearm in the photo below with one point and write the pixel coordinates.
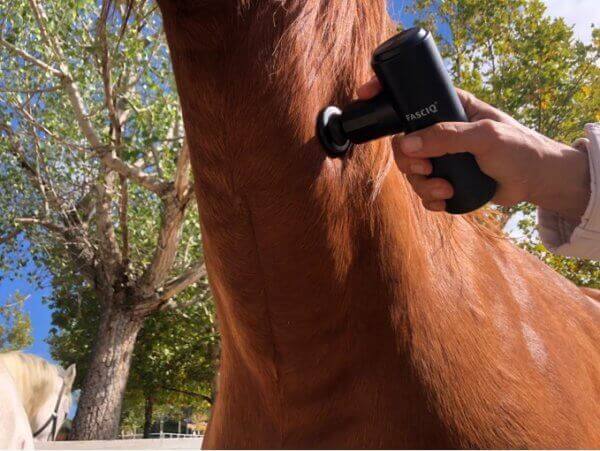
(577, 235)
(563, 182)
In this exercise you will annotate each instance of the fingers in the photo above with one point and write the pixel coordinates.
(369, 89)
(413, 166)
(477, 109)
(431, 190)
(472, 105)
(448, 138)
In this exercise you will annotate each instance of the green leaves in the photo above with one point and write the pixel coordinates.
(15, 325)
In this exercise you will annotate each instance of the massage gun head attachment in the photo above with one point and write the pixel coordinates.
(360, 122)
(366, 120)
(331, 131)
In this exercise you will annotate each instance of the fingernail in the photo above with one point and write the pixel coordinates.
(440, 193)
(411, 144)
(418, 169)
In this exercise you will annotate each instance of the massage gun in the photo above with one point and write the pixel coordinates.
(417, 93)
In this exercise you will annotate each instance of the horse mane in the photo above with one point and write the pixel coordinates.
(33, 377)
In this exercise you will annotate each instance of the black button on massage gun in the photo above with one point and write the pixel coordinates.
(417, 93)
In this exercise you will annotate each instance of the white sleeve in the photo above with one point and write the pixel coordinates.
(568, 238)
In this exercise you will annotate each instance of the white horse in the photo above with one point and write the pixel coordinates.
(35, 398)
(15, 432)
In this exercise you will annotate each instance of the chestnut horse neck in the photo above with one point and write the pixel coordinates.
(252, 76)
(349, 316)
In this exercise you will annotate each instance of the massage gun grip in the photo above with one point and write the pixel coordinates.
(472, 188)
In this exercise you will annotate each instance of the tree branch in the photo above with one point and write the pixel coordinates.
(44, 223)
(182, 182)
(81, 254)
(189, 277)
(32, 59)
(149, 181)
(111, 255)
(41, 19)
(48, 195)
(166, 247)
(71, 87)
(185, 392)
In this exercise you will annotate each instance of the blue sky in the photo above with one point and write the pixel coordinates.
(38, 312)
(580, 13)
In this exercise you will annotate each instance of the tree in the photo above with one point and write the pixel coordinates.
(175, 353)
(15, 325)
(95, 176)
(174, 363)
(510, 54)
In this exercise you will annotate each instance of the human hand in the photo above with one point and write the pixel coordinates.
(527, 165)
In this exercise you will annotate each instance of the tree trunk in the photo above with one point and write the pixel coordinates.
(148, 411)
(99, 411)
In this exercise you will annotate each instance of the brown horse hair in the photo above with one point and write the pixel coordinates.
(350, 316)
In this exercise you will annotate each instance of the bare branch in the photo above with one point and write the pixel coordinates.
(123, 223)
(189, 277)
(81, 114)
(32, 59)
(41, 19)
(149, 181)
(166, 247)
(182, 173)
(44, 223)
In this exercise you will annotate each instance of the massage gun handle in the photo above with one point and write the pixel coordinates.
(472, 188)
(418, 86)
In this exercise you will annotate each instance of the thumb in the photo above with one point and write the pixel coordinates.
(446, 138)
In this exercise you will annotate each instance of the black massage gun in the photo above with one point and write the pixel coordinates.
(417, 93)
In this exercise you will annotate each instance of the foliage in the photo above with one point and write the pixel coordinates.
(95, 176)
(15, 325)
(512, 55)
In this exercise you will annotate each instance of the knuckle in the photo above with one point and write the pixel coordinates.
(493, 135)
(445, 128)
(492, 129)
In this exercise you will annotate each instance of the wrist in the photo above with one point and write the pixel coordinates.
(564, 182)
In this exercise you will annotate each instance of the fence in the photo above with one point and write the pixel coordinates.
(158, 444)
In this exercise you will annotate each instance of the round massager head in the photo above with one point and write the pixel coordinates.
(331, 132)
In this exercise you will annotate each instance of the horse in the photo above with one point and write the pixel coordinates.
(43, 391)
(15, 432)
(351, 317)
